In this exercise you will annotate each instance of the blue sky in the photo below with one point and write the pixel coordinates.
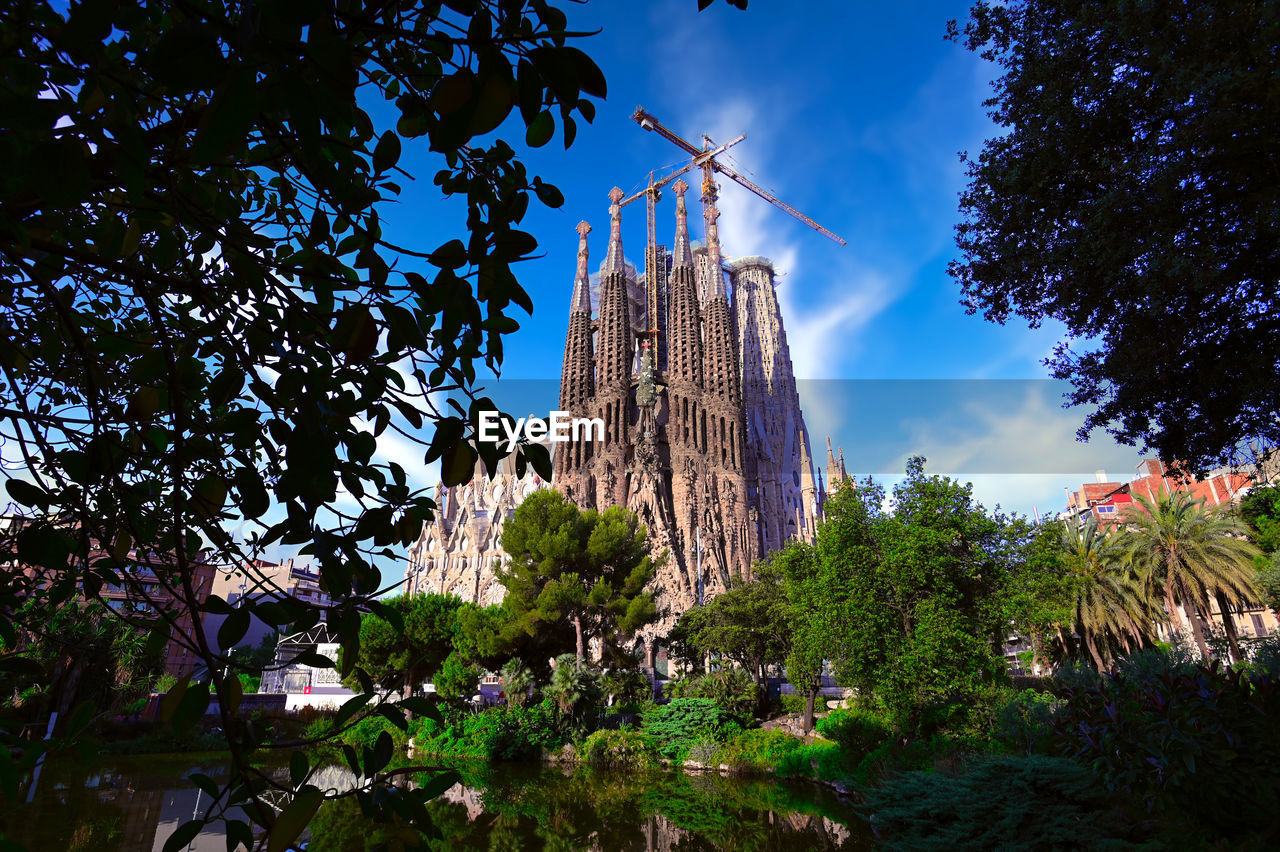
(854, 114)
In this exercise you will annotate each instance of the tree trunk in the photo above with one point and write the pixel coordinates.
(1197, 631)
(1229, 627)
(808, 711)
(577, 628)
(1093, 651)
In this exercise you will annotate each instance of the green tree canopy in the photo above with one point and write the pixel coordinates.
(402, 656)
(924, 619)
(1132, 196)
(204, 323)
(588, 569)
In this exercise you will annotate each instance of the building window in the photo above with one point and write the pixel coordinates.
(1259, 629)
(1106, 510)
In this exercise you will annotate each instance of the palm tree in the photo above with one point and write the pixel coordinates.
(516, 681)
(1186, 554)
(1107, 599)
(573, 686)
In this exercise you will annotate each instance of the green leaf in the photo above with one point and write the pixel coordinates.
(184, 835)
(457, 464)
(234, 693)
(205, 783)
(350, 707)
(451, 255)
(238, 834)
(225, 123)
(423, 707)
(439, 784)
(294, 818)
(387, 152)
(298, 768)
(314, 659)
(27, 494)
(169, 703)
(549, 195)
(540, 131)
(192, 707)
(233, 629)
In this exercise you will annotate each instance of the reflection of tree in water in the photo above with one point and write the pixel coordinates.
(552, 810)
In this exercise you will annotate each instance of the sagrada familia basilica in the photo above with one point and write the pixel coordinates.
(687, 364)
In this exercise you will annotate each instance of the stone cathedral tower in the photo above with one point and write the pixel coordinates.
(703, 437)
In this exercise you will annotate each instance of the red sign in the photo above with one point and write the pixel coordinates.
(306, 690)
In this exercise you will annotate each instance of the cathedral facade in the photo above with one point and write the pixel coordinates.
(704, 436)
(688, 367)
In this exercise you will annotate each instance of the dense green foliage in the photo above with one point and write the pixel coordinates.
(1172, 734)
(587, 569)
(401, 656)
(921, 619)
(73, 655)
(1132, 197)
(1000, 802)
(204, 326)
(730, 688)
(672, 728)
(499, 733)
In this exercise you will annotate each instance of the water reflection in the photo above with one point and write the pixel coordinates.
(135, 804)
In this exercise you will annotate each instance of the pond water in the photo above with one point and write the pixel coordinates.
(136, 803)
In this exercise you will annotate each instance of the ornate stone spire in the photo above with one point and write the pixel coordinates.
(682, 256)
(710, 213)
(833, 472)
(581, 301)
(613, 261)
(844, 474)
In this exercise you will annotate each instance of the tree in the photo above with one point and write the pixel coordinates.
(745, 624)
(204, 325)
(517, 680)
(574, 687)
(588, 569)
(1187, 554)
(812, 601)
(1260, 509)
(404, 657)
(1108, 601)
(1134, 196)
(922, 622)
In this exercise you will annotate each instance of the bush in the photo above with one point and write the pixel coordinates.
(627, 687)
(1178, 738)
(758, 750)
(1000, 802)
(499, 733)
(672, 728)
(855, 730)
(623, 749)
(791, 705)
(941, 753)
(731, 688)
(1025, 722)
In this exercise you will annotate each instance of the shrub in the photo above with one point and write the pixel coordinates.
(758, 750)
(1000, 802)
(791, 705)
(935, 753)
(672, 728)
(1176, 739)
(731, 688)
(855, 730)
(627, 687)
(1025, 721)
(623, 749)
(499, 733)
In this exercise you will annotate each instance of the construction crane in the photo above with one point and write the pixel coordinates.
(710, 164)
(651, 194)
